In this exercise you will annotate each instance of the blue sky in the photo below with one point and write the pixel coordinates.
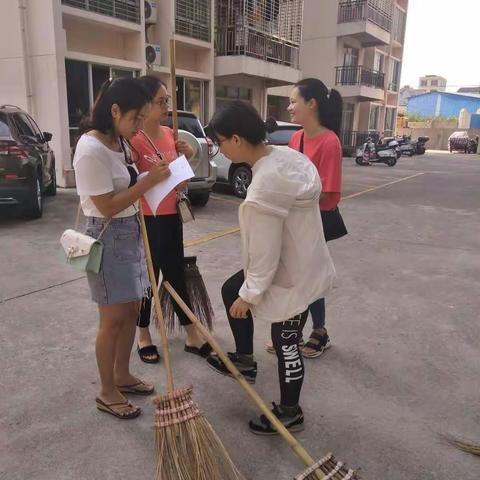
(443, 38)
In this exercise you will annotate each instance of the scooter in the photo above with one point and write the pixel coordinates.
(472, 146)
(420, 143)
(406, 145)
(370, 153)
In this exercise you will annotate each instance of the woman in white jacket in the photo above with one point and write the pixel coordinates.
(286, 264)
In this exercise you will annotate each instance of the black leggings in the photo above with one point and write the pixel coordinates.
(285, 338)
(165, 237)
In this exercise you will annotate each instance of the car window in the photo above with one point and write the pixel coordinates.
(281, 136)
(23, 126)
(189, 124)
(34, 126)
(4, 128)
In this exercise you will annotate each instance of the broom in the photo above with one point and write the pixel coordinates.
(328, 468)
(186, 446)
(196, 293)
(464, 445)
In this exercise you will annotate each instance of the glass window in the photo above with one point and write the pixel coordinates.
(118, 72)
(100, 74)
(348, 116)
(4, 128)
(23, 125)
(282, 136)
(77, 91)
(374, 116)
(193, 97)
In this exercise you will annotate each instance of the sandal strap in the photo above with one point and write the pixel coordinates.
(149, 350)
(317, 336)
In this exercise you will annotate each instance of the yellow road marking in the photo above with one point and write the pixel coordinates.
(231, 231)
(363, 192)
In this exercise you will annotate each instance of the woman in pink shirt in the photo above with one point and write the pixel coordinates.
(165, 229)
(319, 111)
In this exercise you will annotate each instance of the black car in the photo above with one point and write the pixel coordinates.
(27, 163)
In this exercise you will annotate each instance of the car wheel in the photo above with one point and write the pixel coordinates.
(200, 199)
(241, 179)
(51, 191)
(34, 206)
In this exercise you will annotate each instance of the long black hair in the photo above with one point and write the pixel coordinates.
(152, 84)
(238, 117)
(128, 93)
(329, 103)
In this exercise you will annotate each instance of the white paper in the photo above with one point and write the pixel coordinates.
(180, 171)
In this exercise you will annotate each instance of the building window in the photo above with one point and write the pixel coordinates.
(434, 83)
(224, 94)
(374, 117)
(394, 80)
(390, 119)
(192, 96)
(423, 83)
(379, 63)
(348, 117)
(193, 18)
(84, 81)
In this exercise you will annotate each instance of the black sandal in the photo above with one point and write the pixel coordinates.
(318, 348)
(149, 351)
(204, 351)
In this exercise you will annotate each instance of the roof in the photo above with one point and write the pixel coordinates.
(473, 96)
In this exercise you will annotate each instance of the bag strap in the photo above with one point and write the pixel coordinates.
(149, 140)
(302, 140)
(77, 221)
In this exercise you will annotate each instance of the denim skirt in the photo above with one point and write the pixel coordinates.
(123, 275)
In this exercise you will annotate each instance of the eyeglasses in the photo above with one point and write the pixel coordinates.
(163, 102)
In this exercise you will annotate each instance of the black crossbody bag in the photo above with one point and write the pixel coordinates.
(333, 224)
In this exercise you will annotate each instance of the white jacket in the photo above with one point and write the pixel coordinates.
(286, 262)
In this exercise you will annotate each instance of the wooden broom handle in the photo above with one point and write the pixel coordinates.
(289, 438)
(174, 88)
(156, 302)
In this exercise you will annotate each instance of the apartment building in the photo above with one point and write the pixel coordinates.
(355, 46)
(432, 83)
(55, 55)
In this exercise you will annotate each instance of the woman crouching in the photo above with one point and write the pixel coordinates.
(286, 263)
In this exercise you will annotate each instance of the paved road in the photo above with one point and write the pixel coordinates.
(403, 318)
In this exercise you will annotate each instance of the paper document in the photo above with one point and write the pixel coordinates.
(180, 172)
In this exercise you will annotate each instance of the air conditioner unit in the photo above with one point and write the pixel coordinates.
(153, 56)
(151, 11)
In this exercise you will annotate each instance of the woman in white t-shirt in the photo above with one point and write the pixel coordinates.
(286, 263)
(109, 202)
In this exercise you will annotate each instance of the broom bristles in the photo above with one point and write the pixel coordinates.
(187, 447)
(462, 444)
(331, 469)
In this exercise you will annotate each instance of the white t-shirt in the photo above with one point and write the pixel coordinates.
(99, 170)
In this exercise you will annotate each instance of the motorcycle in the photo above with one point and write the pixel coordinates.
(407, 146)
(371, 153)
(420, 148)
(472, 146)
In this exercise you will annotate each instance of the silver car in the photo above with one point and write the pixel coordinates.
(200, 186)
(239, 175)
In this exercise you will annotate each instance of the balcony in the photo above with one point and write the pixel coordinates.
(127, 10)
(364, 21)
(193, 19)
(263, 55)
(361, 83)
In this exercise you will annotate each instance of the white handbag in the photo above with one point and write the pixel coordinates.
(82, 252)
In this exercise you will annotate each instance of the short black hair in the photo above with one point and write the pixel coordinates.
(238, 117)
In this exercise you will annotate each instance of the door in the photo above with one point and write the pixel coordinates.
(350, 66)
(45, 151)
(28, 137)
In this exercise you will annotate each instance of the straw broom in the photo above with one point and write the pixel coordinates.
(186, 446)
(328, 468)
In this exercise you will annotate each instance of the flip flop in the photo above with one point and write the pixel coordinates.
(107, 408)
(136, 389)
(149, 351)
(204, 351)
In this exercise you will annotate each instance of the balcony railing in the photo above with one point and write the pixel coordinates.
(128, 10)
(193, 18)
(356, 10)
(249, 42)
(359, 76)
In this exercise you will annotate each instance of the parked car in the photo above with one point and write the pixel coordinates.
(27, 163)
(239, 175)
(200, 186)
(458, 141)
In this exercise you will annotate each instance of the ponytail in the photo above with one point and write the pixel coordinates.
(329, 103)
